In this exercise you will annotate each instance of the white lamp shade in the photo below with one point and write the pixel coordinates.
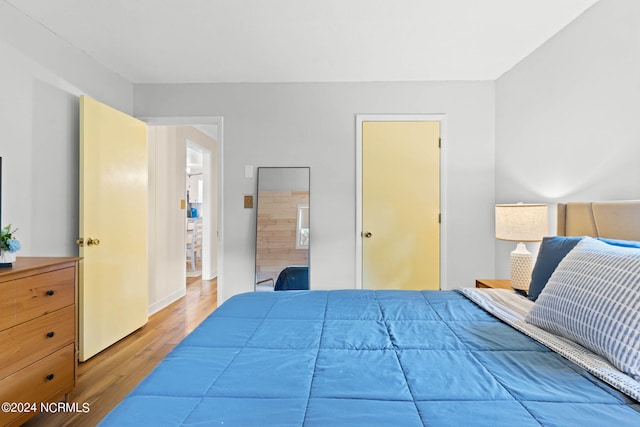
(522, 222)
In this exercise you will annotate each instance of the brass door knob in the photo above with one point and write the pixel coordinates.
(367, 234)
(90, 242)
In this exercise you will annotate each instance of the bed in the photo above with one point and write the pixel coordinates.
(404, 358)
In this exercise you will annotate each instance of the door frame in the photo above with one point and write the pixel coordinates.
(442, 119)
(219, 122)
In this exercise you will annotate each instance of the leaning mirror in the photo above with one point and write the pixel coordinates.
(282, 229)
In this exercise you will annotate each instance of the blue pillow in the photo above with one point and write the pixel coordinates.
(552, 251)
(622, 243)
(593, 298)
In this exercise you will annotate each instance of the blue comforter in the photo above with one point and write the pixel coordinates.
(366, 358)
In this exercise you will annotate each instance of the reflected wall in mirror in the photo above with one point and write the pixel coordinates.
(282, 229)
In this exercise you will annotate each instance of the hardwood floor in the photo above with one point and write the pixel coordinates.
(108, 377)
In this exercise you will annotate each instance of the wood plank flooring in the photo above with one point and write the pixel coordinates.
(105, 379)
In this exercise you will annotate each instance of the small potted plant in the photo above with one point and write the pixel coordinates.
(9, 245)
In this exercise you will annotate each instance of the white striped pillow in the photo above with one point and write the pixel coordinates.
(593, 298)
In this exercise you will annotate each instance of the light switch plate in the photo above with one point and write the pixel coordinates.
(248, 202)
(248, 171)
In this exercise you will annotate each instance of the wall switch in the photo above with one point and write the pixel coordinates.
(248, 171)
(182, 204)
(248, 202)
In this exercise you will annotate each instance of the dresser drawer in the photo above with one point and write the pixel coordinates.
(44, 293)
(50, 376)
(7, 304)
(29, 341)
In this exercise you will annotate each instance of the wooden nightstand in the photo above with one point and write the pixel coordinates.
(493, 283)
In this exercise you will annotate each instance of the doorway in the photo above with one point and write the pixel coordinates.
(172, 206)
(196, 177)
(399, 241)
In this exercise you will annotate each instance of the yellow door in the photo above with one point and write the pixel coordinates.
(113, 226)
(401, 205)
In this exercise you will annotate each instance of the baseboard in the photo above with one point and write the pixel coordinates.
(213, 276)
(159, 305)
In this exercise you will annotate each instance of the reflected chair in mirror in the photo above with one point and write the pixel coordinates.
(265, 284)
(194, 242)
(293, 278)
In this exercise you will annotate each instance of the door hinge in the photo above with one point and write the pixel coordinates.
(439, 218)
(439, 142)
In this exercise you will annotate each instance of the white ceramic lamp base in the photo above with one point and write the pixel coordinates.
(521, 266)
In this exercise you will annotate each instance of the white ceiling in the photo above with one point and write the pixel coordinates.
(181, 41)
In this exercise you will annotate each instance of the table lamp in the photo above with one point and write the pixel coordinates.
(521, 223)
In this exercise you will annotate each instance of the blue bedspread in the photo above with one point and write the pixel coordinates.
(366, 358)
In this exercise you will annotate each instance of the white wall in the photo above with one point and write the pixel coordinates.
(167, 160)
(39, 121)
(567, 116)
(67, 66)
(314, 125)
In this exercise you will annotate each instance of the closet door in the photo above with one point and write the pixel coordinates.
(400, 205)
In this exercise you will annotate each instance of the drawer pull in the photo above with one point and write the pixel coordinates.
(49, 377)
(50, 334)
(51, 292)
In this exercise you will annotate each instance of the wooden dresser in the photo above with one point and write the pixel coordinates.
(38, 334)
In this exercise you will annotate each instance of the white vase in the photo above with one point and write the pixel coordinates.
(7, 257)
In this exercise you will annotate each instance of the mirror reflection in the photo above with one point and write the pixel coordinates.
(282, 229)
